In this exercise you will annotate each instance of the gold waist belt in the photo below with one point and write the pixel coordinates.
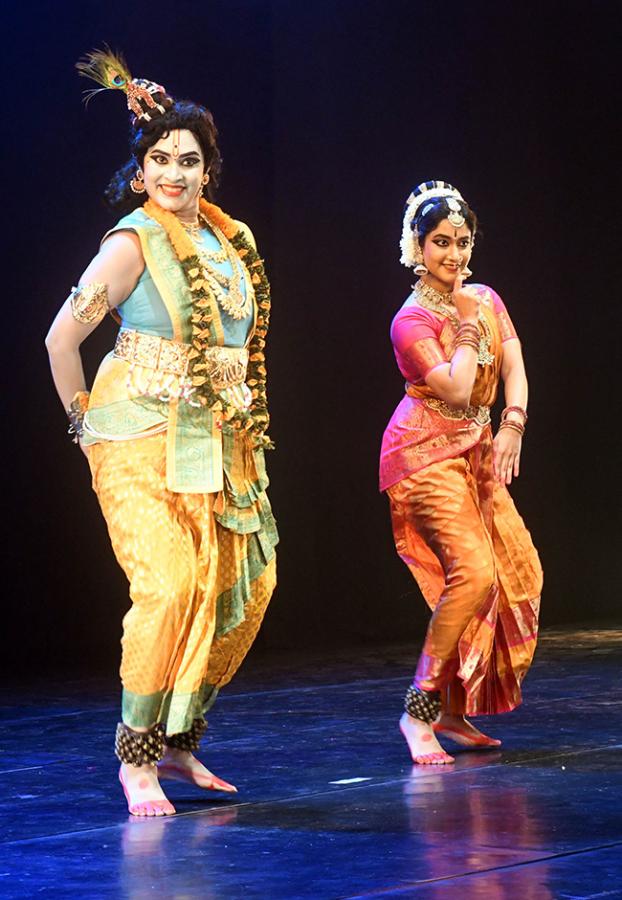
(226, 366)
(480, 414)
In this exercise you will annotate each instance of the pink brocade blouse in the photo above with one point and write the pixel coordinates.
(418, 434)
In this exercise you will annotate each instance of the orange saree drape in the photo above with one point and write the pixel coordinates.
(459, 533)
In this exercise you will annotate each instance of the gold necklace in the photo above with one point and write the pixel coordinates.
(437, 301)
(193, 229)
(226, 288)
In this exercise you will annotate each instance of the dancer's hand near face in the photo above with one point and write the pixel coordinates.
(466, 300)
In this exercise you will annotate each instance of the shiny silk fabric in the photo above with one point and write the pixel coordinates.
(457, 529)
(418, 435)
(199, 590)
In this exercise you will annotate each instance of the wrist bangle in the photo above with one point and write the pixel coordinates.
(75, 414)
(466, 341)
(517, 409)
(468, 328)
(515, 426)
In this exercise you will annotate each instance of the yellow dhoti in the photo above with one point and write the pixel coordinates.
(199, 591)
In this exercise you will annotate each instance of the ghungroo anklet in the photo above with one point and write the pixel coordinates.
(188, 740)
(139, 748)
(422, 705)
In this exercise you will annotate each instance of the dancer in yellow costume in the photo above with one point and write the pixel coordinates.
(174, 429)
(454, 522)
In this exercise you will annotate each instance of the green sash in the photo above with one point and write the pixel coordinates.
(194, 461)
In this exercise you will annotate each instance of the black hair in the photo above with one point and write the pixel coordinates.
(433, 211)
(183, 115)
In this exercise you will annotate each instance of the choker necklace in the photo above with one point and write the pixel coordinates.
(443, 303)
(193, 228)
(424, 291)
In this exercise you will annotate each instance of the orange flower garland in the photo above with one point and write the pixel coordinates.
(255, 419)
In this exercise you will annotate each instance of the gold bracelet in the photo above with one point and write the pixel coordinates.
(75, 414)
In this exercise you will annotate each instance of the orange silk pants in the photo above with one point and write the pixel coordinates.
(459, 533)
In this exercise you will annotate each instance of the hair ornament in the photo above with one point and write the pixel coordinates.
(455, 216)
(146, 99)
(423, 193)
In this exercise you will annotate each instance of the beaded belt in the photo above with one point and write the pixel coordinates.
(226, 366)
(480, 414)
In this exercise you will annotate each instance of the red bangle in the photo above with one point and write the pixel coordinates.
(515, 426)
(516, 409)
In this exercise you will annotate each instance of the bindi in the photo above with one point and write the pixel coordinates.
(176, 143)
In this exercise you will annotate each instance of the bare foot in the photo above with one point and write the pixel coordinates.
(424, 748)
(463, 732)
(143, 793)
(181, 765)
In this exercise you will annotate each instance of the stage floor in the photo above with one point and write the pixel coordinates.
(328, 805)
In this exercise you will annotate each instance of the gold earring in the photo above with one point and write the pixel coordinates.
(205, 179)
(137, 184)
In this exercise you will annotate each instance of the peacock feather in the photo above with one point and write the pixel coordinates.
(106, 68)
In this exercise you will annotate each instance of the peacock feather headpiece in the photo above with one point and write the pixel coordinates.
(145, 99)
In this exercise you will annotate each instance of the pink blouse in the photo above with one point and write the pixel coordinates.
(419, 434)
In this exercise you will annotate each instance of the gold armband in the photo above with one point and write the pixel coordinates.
(89, 303)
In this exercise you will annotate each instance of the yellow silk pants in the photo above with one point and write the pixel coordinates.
(180, 563)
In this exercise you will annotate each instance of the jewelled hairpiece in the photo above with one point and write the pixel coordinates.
(145, 99)
(440, 191)
(455, 216)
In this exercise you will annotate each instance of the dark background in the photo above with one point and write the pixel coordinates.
(330, 111)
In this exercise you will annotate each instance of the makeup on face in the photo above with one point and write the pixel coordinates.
(173, 172)
(446, 252)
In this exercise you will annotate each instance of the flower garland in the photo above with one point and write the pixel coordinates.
(255, 419)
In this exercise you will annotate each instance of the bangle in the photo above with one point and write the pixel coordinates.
(468, 327)
(468, 332)
(515, 426)
(516, 409)
(466, 341)
(75, 414)
(468, 335)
